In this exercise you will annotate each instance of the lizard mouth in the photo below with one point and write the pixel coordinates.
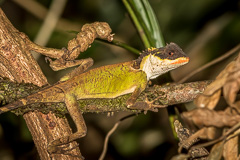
(181, 60)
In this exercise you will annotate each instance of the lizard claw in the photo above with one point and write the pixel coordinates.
(63, 149)
(146, 106)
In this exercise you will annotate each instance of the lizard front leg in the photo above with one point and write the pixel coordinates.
(132, 99)
(75, 113)
(138, 90)
(131, 102)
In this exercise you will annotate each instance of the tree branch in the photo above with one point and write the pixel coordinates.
(18, 64)
(168, 94)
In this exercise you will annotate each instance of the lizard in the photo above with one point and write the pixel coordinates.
(108, 81)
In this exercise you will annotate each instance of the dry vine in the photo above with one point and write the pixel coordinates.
(18, 65)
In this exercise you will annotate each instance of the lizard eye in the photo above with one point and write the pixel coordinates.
(170, 53)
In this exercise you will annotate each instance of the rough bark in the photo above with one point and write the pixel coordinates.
(17, 64)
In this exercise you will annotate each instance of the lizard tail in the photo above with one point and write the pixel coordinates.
(11, 106)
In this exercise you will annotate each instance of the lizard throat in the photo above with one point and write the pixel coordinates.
(154, 66)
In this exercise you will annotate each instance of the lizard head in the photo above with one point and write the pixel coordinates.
(157, 61)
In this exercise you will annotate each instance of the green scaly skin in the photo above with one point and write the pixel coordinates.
(105, 82)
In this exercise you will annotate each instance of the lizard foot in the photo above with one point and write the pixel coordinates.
(61, 145)
(147, 105)
(64, 149)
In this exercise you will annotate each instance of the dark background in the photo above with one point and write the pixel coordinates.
(204, 29)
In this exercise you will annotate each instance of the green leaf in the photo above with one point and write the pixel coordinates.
(146, 22)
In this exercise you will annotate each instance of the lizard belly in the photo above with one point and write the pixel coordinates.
(107, 94)
(130, 90)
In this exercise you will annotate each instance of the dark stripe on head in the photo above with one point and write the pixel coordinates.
(171, 51)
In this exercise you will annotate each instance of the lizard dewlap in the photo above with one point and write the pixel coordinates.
(106, 82)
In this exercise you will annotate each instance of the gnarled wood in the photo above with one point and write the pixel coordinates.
(17, 64)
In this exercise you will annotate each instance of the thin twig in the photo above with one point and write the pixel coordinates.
(121, 44)
(229, 53)
(110, 133)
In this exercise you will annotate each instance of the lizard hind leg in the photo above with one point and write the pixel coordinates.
(76, 115)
